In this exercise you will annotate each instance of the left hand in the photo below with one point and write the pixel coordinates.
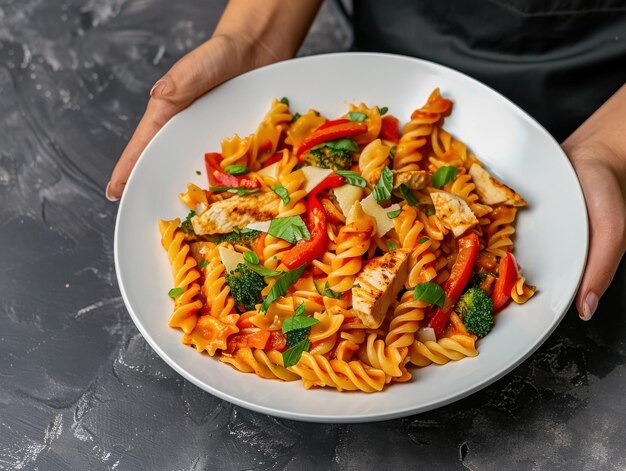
(597, 150)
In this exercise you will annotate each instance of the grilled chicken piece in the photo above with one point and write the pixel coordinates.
(238, 211)
(454, 212)
(413, 179)
(377, 286)
(491, 191)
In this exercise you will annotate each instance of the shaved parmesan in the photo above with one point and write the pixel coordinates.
(383, 223)
(263, 226)
(426, 334)
(313, 176)
(230, 258)
(269, 171)
(346, 196)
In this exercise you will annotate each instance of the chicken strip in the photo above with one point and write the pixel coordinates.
(454, 212)
(236, 212)
(377, 286)
(492, 191)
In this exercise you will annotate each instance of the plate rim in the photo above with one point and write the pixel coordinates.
(370, 416)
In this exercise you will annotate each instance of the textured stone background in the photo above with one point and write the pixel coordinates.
(79, 387)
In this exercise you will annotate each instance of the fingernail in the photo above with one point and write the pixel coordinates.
(590, 305)
(158, 88)
(108, 195)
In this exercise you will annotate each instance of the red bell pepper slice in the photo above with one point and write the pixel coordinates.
(305, 251)
(331, 133)
(217, 176)
(390, 128)
(454, 285)
(507, 277)
(330, 124)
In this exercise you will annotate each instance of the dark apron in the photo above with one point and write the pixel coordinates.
(559, 60)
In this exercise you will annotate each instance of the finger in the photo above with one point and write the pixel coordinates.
(188, 79)
(607, 216)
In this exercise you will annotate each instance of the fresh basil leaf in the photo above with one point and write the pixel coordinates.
(285, 100)
(252, 262)
(383, 110)
(298, 322)
(235, 189)
(391, 246)
(296, 117)
(430, 292)
(203, 263)
(357, 116)
(198, 172)
(290, 229)
(251, 258)
(236, 169)
(394, 214)
(281, 286)
(175, 292)
(292, 355)
(300, 310)
(327, 292)
(352, 178)
(382, 190)
(408, 196)
(443, 175)
(342, 144)
(282, 192)
(422, 240)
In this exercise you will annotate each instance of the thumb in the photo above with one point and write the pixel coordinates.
(192, 76)
(607, 218)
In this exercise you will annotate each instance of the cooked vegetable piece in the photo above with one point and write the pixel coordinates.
(475, 308)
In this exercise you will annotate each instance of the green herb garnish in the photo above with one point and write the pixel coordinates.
(394, 214)
(382, 190)
(391, 245)
(186, 225)
(408, 196)
(236, 169)
(357, 116)
(292, 355)
(175, 292)
(342, 144)
(443, 175)
(291, 229)
(282, 192)
(352, 178)
(252, 262)
(327, 292)
(383, 110)
(203, 263)
(285, 100)
(281, 286)
(430, 292)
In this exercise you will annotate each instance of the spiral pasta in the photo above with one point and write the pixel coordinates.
(322, 275)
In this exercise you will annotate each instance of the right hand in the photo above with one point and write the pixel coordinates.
(215, 61)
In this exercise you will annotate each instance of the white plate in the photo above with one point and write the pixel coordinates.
(551, 241)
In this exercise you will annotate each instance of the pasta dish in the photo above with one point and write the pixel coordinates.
(340, 252)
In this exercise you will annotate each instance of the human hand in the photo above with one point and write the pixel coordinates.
(597, 150)
(250, 34)
(196, 73)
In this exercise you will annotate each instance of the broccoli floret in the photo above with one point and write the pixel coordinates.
(245, 286)
(239, 237)
(297, 335)
(325, 157)
(475, 308)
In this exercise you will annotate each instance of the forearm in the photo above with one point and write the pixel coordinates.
(272, 30)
